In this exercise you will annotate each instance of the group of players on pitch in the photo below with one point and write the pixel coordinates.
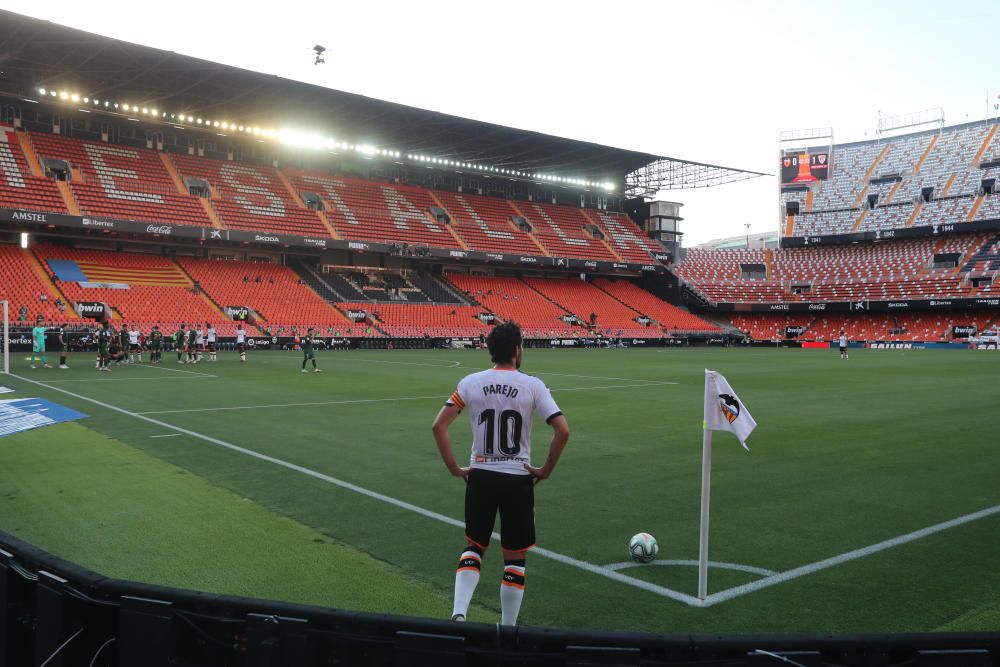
(127, 344)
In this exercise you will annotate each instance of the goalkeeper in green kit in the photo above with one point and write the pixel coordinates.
(308, 344)
(38, 343)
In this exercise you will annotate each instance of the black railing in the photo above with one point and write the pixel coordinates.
(56, 613)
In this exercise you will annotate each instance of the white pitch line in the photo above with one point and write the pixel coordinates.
(402, 504)
(598, 377)
(167, 435)
(151, 377)
(293, 405)
(451, 363)
(693, 563)
(737, 591)
(370, 400)
(172, 370)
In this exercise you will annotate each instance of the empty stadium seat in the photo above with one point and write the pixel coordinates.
(273, 291)
(19, 188)
(158, 291)
(251, 197)
(121, 182)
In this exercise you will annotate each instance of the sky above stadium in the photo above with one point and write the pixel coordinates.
(711, 81)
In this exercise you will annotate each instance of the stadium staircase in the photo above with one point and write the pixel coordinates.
(317, 283)
(531, 234)
(668, 316)
(437, 202)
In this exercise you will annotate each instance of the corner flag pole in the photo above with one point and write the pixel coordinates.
(706, 485)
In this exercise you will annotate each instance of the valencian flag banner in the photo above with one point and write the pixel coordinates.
(724, 411)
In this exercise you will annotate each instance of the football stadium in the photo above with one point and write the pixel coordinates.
(243, 366)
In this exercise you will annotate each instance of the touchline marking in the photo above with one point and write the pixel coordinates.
(370, 400)
(737, 591)
(451, 363)
(172, 370)
(693, 563)
(567, 560)
(151, 377)
(293, 405)
(167, 435)
(597, 377)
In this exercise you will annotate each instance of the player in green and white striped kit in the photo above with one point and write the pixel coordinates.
(38, 342)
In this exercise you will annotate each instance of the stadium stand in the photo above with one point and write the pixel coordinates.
(157, 292)
(30, 282)
(889, 270)
(276, 293)
(850, 162)
(582, 299)
(19, 186)
(423, 320)
(631, 244)
(369, 211)
(121, 182)
(767, 326)
(512, 299)
(947, 163)
(669, 316)
(484, 223)
(251, 197)
(562, 230)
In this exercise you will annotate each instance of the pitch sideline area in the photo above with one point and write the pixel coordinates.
(611, 396)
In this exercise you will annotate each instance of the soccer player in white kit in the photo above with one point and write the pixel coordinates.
(134, 350)
(210, 335)
(843, 345)
(199, 343)
(500, 478)
(241, 342)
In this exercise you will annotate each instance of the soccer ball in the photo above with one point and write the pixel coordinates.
(643, 548)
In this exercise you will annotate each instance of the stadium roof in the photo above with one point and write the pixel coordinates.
(36, 53)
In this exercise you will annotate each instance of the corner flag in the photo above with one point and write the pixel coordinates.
(724, 411)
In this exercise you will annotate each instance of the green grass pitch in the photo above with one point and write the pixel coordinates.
(847, 454)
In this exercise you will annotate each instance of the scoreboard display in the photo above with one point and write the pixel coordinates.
(805, 168)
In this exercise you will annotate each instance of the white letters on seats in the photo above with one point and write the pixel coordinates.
(402, 210)
(230, 173)
(107, 174)
(8, 165)
(329, 191)
(556, 228)
(621, 234)
(492, 233)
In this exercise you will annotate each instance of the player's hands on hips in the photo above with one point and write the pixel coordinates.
(538, 473)
(459, 471)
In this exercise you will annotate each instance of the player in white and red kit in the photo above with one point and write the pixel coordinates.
(500, 478)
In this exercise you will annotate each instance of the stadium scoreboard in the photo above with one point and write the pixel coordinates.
(804, 168)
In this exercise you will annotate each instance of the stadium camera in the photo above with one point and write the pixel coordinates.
(320, 50)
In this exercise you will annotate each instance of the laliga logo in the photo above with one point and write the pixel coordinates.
(730, 407)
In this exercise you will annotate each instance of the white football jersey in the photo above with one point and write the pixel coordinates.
(211, 335)
(500, 405)
(199, 337)
(843, 341)
(241, 336)
(133, 337)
